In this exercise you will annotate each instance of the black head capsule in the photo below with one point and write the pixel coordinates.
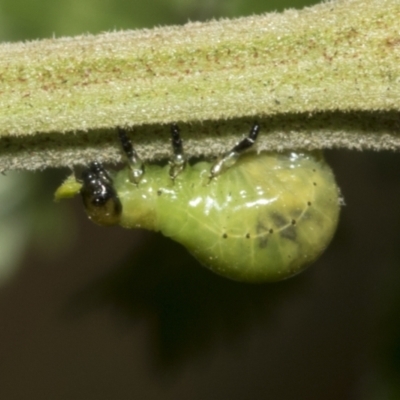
(99, 197)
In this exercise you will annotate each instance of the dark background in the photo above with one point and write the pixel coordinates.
(106, 313)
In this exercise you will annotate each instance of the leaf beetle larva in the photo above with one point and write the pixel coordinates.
(249, 217)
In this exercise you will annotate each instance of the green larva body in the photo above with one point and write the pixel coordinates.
(264, 219)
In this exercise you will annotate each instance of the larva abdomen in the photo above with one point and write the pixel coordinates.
(264, 219)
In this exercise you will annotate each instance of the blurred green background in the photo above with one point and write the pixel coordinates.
(99, 313)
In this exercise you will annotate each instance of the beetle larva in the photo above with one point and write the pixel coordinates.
(262, 217)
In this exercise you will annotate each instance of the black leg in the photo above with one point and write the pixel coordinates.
(230, 157)
(134, 162)
(178, 161)
(247, 142)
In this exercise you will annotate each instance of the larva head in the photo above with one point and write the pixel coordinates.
(99, 197)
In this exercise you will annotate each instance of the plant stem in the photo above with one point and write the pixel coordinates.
(321, 77)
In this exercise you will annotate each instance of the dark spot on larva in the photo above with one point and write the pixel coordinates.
(159, 192)
(296, 214)
(289, 233)
(314, 170)
(224, 235)
(260, 227)
(308, 215)
(278, 219)
(314, 183)
(262, 241)
(309, 203)
(262, 231)
(247, 235)
(271, 231)
(293, 222)
(317, 218)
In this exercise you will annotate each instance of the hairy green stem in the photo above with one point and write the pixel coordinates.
(321, 77)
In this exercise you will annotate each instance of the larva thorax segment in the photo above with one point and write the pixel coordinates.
(171, 188)
(139, 202)
(158, 202)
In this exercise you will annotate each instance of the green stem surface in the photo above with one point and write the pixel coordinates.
(322, 77)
